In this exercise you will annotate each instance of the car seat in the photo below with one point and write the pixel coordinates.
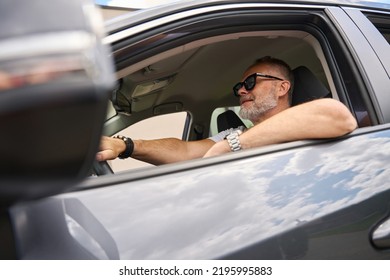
(307, 87)
(227, 120)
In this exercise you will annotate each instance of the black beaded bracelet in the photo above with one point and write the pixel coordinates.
(129, 146)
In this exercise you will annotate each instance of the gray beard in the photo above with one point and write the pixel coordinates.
(258, 109)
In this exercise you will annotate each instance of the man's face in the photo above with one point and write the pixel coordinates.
(255, 103)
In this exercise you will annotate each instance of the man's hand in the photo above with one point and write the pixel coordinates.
(110, 148)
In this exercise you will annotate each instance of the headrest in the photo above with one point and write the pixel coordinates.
(227, 120)
(307, 87)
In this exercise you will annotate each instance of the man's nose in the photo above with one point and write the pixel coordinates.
(242, 91)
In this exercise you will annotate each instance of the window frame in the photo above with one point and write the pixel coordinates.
(369, 50)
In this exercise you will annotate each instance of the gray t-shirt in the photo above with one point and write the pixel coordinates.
(222, 135)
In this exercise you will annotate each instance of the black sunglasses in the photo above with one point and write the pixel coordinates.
(250, 82)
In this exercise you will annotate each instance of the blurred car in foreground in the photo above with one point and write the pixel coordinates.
(175, 66)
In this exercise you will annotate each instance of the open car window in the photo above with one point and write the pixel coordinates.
(198, 76)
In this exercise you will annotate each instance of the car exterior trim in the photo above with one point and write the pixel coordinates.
(370, 67)
(110, 39)
(380, 45)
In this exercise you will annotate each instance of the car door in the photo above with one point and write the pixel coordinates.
(302, 200)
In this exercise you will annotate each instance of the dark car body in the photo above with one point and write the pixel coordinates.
(313, 199)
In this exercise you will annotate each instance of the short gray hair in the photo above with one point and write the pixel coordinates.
(283, 67)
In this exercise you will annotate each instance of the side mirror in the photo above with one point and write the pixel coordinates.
(55, 80)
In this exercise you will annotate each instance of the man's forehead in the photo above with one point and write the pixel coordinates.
(259, 68)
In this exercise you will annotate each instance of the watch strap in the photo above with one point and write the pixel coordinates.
(129, 146)
(234, 141)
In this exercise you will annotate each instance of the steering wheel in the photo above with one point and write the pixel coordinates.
(101, 168)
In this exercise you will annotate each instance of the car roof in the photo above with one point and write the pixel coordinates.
(139, 16)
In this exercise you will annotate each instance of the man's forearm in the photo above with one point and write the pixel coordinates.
(324, 118)
(158, 151)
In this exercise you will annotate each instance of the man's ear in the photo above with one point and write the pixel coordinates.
(284, 88)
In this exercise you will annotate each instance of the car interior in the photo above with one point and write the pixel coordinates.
(197, 78)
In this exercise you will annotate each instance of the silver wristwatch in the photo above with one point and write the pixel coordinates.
(234, 141)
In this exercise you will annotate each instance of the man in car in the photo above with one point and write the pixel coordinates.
(265, 98)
